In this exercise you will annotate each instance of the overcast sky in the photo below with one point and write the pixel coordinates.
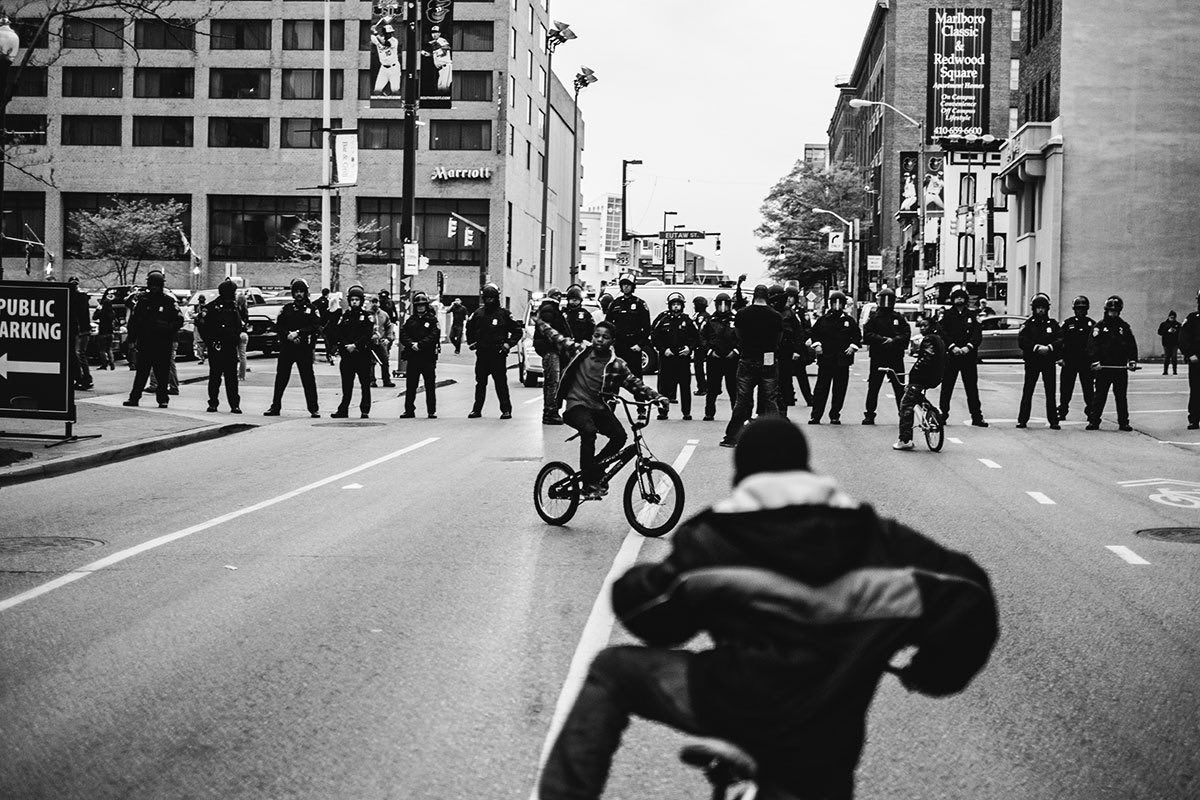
(718, 105)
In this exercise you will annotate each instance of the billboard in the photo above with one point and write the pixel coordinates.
(959, 75)
(35, 351)
(437, 57)
(387, 45)
(435, 64)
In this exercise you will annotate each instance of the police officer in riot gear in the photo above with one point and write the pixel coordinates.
(1189, 348)
(700, 319)
(963, 334)
(1076, 335)
(720, 346)
(1113, 353)
(887, 335)
(801, 353)
(152, 326)
(491, 333)
(420, 338)
(631, 316)
(221, 327)
(550, 311)
(836, 338)
(1041, 344)
(676, 338)
(353, 333)
(297, 325)
(580, 322)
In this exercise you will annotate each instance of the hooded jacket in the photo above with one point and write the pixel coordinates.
(807, 594)
(617, 375)
(930, 365)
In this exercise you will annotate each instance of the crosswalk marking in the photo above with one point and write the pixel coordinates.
(1041, 498)
(987, 462)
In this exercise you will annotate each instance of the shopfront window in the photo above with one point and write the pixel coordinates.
(431, 229)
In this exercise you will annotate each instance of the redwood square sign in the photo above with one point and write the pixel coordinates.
(959, 80)
(35, 351)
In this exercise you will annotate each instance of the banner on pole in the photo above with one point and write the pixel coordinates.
(343, 142)
(437, 57)
(387, 32)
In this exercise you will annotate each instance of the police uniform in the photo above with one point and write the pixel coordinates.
(961, 328)
(1113, 346)
(887, 335)
(700, 319)
(674, 331)
(221, 328)
(152, 326)
(1039, 332)
(720, 346)
(1189, 347)
(836, 332)
(420, 336)
(492, 332)
(354, 326)
(1076, 334)
(301, 318)
(580, 323)
(630, 315)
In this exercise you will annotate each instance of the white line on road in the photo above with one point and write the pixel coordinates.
(120, 556)
(353, 486)
(952, 440)
(532, 400)
(1127, 554)
(597, 630)
(1041, 498)
(1188, 444)
(987, 462)
(693, 441)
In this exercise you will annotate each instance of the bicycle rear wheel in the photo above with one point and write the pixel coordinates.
(931, 424)
(556, 493)
(654, 498)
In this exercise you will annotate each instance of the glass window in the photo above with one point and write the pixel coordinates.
(529, 64)
(240, 34)
(541, 123)
(542, 81)
(28, 129)
(528, 110)
(1013, 120)
(460, 135)
(239, 84)
(27, 28)
(513, 45)
(431, 229)
(238, 132)
(966, 190)
(512, 140)
(162, 131)
(1014, 74)
(476, 37)
(303, 132)
(91, 82)
(75, 203)
(21, 209)
(93, 33)
(512, 91)
(249, 228)
(532, 18)
(158, 34)
(1016, 25)
(164, 82)
(364, 35)
(381, 134)
(308, 84)
(91, 131)
(32, 82)
(470, 85)
(542, 37)
(309, 34)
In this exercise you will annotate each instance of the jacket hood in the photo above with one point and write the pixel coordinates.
(765, 491)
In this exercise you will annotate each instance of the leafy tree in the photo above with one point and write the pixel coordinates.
(793, 242)
(119, 237)
(303, 247)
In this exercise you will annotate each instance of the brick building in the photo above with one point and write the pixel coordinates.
(225, 116)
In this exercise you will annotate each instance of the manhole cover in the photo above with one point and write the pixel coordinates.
(44, 544)
(1180, 535)
(349, 424)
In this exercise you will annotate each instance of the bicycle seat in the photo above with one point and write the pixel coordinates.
(723, 763)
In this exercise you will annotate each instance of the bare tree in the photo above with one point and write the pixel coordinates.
(303, 247)
(119, 238)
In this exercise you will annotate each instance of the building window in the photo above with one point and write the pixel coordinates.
(88, 131)
(460, 135)
(532, 18)
(542, 81)
(512, 91)
(32, 83)
(93, 33)
(164, 82)
(513, 48)
(966, 190)
(158, 34)
(76, 203)
(91, 82)
(512, 140)
(364, 35)
(1014, 121)
(1016, 25)
(303, 132)
(529, 155)
(23, 209)
(239, 84)
(31, 32)
(249, 228)
(966, 252)
(27, 129)
(238, 132)
(470, 85)
(430, 228)
(528, 110)
(529, 64)
(308, 84)
(1014, 74)
(381, 134)
(541, 128)
(477, 37)
(240, 34)
(309, 34)
(162, 131)
(542, 38)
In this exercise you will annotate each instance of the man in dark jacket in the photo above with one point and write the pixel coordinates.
(491, 333)
(720, 346)
(802, 354)
(221, 327)
(580, 322)
(321, 304)
(1168, 331)
(550, 310)
(1076, 336)
(1189, 345)
(759, 329)
(887, 335)
(106, 321)
(699, 319)
(963, 335)
(675, 338)
(297, 327)
(631, 317)
(353, 334)
(836, 338)
(458, 316)
(808, 595)
(152, 326)
(420, 336)
(1113, 353)
(788, 343)
(926, 373)
(1040, 340)
(81, 333)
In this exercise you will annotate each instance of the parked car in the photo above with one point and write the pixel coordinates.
(1000, 337)
(529, 363)
(262, 312)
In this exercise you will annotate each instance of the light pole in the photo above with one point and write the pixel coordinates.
(851, 254)
(859, 103)
(9, 44)
(584, 79)
(561, 33)
(625, 164)
(326, 173)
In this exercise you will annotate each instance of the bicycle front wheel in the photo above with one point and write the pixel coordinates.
(931, 424)
(556, 493)
(654, 498)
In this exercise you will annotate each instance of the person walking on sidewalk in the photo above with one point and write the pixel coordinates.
(963, 335)
(385, 334)
(81, 333)
(759, 329)
(220, 327)
(887, 335)
(675, 338)
(352, 333)
(420, 338)
(458, 316)
(491, 333)
(297, 326)
(152, 325)
(1041, 344)
(106, 322)
(550, 311)
(1189, 345)
(1076, 337)
(1113, 353)
(836, 338)
(720, 346)
(1169, 331)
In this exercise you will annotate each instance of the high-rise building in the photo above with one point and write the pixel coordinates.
(600, 242)
(225, 116)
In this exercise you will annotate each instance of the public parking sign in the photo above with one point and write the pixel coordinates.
(35, 351)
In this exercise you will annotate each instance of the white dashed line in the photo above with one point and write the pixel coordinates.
(952, 440)
(1127, 554)
(987, 462)
(353, 486)
(1041, 498)
(532, 400)
(693, 441)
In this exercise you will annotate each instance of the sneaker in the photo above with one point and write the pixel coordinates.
(728, 443)
(814, 421)
(339, 414)
(211, 408)
(271, 412)
(555, 420)
(408, 415)
(474, 415)
(506, 415)
(590, 492)
(978, 423)
(1022, 425)
(130, 403)
(1126, 427)
(903, 445)
(699, 393)
(235, 410)
(432, 415)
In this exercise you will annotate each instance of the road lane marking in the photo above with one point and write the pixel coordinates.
(1127, 554)
(1186, 444)
(353, 486)
(116, 558)
(987, 462)
(1041, 498)
(597, 630)
(693, 441)
(532, 400)
(952, 440)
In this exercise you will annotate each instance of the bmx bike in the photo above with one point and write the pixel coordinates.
(926, 416)
(653, 496)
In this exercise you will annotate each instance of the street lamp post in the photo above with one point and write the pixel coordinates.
(851, 245)
(584, 79)
(9, 44)
(561, 33)
(625, 164)
(326, 172)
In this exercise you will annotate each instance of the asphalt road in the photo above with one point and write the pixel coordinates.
(318, 610)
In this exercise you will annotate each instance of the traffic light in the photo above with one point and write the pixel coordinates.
(452, 228)
(718, 244)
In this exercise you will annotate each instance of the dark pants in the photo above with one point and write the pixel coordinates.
(912, 396)
(157, 358)
(417, 370)
(787, 392)
(830, 375)
(382, 350)
(698, 364)
(875, 382)
(965, 366)
(632, 358)
(752, 375)
(494, 366)
(80, 373)
(1193, 371)
(1171, 357)
(302, 357)
(1087, 381)
(104, 343)
(800, 370)
(1118, 379)
(1044, 369)
(223, 364)
(590, 422)
(675, 373)
(550, 375)
(456, 332)
(354, 365)
(720, 370)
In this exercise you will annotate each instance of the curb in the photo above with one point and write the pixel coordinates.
(65, 466)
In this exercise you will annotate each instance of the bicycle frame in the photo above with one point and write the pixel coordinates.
(635, 450)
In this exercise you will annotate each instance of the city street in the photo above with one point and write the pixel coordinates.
(372, 609)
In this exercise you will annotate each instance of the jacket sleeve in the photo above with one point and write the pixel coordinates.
(643, 598)
(707, 334)
(659, 335)
(569, 347)
(644, 318)
(514, 330)
(871, 334)
(1131, 351)
(1188, 335)
(904, 335)
(975, 332)
(638, 389)
(1025, 339)
(472, 329)
(1058, 344)
(404, 338)
(433, 335)
(693, 335)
